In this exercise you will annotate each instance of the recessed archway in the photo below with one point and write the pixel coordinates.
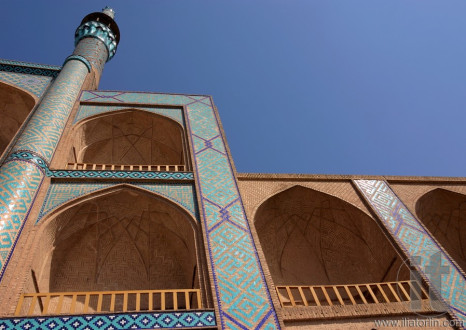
(129, 137)
(15, 105)
(124, 239)
(311, 238)
(443, 212)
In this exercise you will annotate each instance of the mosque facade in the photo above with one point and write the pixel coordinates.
(123, 210)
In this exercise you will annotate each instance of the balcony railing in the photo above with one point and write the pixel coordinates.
(351, 294)
(107, 301)
(113, 167)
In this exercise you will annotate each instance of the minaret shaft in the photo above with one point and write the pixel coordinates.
(96, 40)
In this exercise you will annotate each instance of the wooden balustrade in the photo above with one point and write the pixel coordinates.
(107, 301)
(351, 294)
(110, 167)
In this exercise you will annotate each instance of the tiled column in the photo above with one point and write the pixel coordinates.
(20, 177)
(241, 292)
(423, 251)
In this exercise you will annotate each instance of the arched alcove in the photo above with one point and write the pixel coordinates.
(129, 137)
(311, 238)
(122, 240)
(443, 212)
(15, 105)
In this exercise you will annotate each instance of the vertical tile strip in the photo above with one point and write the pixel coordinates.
(21, 179)
(241, 290)
(19, 182)
(417, 243)
(43, 131)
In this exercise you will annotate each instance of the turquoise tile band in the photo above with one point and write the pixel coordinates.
(417, 244)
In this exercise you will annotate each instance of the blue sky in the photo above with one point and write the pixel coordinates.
(322, 87)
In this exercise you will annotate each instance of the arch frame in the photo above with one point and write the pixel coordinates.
(256, 208)
(22, 126)
(91, 194)
(400, 253)
(200, 258)
(76, 126)
(375, 192)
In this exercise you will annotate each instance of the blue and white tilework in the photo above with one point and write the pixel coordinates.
(179, 320)
(60, 193)
(417, 243)
(19, 184)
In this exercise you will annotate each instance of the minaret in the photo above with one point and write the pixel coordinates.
(21, 175)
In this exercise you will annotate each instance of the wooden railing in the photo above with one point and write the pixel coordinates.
(110, 167)
(351, 294)
(107, 301)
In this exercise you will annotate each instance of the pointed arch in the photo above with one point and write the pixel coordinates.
(120, 238)
(15, 105)
(59, 196)
(443, 212)
(308, 237)
(128, 137)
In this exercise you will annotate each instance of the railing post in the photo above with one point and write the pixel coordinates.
(20, 304)
(99, 302)
(162, 300)
(86, 302)
(112, 302)
(151, 301)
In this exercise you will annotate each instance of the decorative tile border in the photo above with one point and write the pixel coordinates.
(20, 179)
(31, 65)
(417, 243)
(60, 193)
(29, 68)
(136, 97)
(45, 127)
(241, 290)
(19, 183)
(163, 320)
(122, 175)
(34, 84)
(33, 158)
(86, 111)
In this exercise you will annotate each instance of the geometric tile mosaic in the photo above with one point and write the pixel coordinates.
(32, 158)
(240, 288)
(20, 182)
(239, 282)
(121, 174)
(178, 320)
(87, 110)
(60, 193)
(44, 129)
(34, 84)
(29, 68)
(418, 244)
(21, 179)
(135, 97)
